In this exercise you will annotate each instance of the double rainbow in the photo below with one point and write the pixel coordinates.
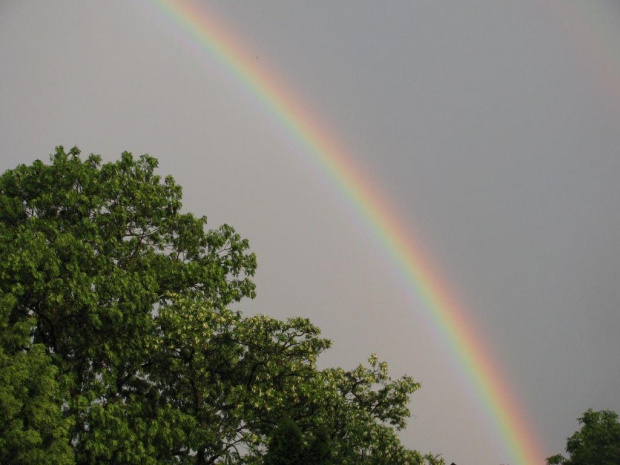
(507, 418)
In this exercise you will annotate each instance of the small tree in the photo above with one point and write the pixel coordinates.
(286, 446)
(596, 443)
(319, 450)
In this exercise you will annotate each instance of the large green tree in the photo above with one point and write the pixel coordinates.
(596, 443)
(118, 344)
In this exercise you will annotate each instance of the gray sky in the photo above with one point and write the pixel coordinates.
(493, 127)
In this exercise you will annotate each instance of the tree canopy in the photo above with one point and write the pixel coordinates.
(118, 343)
(596, 443)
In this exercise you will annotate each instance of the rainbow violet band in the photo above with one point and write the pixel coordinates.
(515, 435)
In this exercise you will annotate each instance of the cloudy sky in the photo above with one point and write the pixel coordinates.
(492, 127)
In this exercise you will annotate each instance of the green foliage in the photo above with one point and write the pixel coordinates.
(320, 448)
(32, 428)
(596, 443)
(286, 445)
(117, 343)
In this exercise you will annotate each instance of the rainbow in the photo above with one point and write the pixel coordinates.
(505, 415)
(591, 27)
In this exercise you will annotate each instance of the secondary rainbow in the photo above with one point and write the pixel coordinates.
(593, 34)
(450, 320)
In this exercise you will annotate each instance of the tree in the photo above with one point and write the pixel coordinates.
(32, 428)
(320, 448)
(286, 445)
(118, 344)
(596, 443)
(88, 254)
